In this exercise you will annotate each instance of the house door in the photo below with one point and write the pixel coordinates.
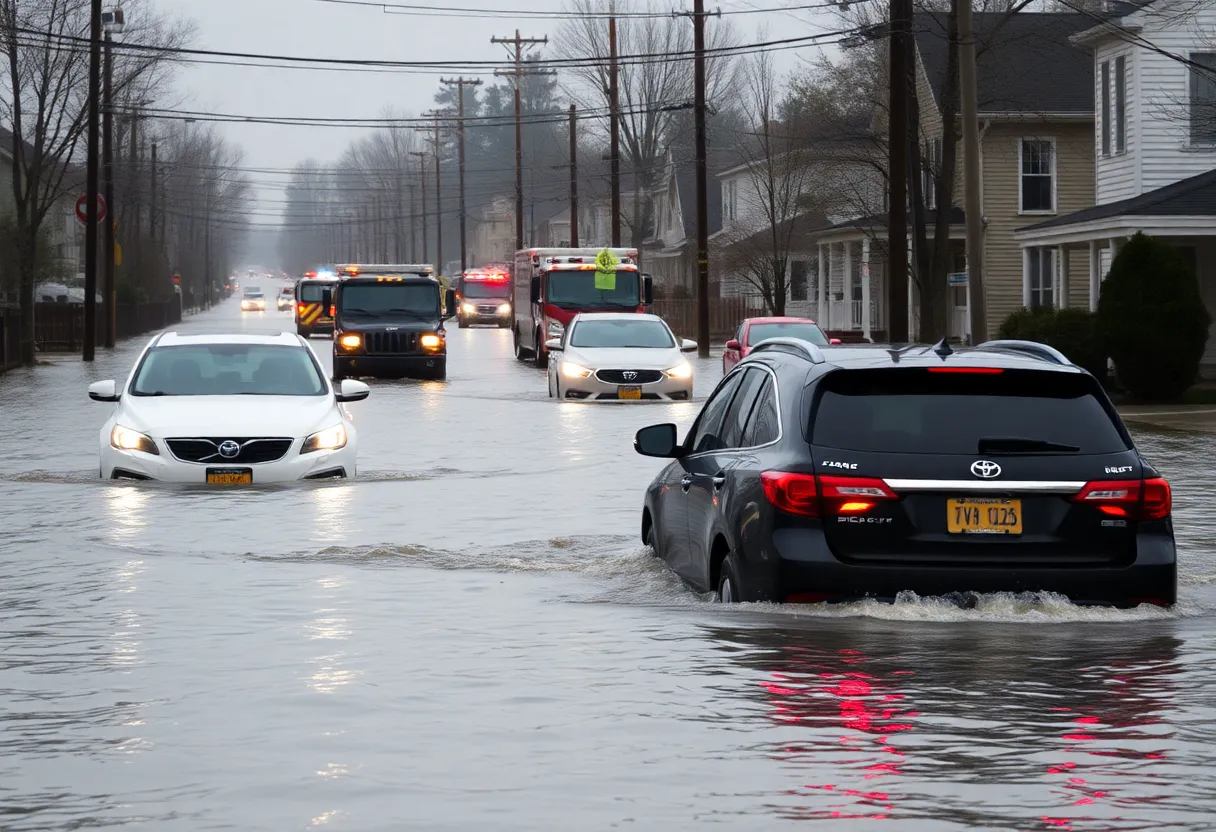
(960, 312)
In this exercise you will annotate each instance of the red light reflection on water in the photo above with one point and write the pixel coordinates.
(835, 693)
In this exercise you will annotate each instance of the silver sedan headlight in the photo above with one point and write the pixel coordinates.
(125, 439)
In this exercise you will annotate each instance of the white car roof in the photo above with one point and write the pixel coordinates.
(177, 339)
(617, 316)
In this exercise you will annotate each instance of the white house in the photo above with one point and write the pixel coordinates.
(1154, 150)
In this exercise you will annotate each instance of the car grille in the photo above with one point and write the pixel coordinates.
(390, 343)
(252, 451)
(487, 310)
(629, 376)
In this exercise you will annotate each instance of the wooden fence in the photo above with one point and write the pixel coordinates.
(59, 327)
(10, 336)
(724, 316)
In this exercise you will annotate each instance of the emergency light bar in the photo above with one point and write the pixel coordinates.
(354, 269)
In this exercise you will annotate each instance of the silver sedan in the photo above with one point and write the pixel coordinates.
(619, 356)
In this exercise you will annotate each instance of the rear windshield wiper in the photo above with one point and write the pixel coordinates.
(1016, 444)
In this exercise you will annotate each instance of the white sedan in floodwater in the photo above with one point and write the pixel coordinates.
(619, 356)
(228, 410)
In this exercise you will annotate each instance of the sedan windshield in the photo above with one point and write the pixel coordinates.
(390, 300)
(228, 370)
(576, 290)
(803, 330)
(647, 334)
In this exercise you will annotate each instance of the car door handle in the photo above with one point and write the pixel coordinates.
(719, 481)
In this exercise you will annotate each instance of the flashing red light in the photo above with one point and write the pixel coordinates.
(1149, 499)
(310, 274)
(978, 371)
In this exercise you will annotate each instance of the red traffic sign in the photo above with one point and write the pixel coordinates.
(82, 203)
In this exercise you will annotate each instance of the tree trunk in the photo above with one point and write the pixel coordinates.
(932, 327)
(937, 294)
(779, 288)
(27, 242)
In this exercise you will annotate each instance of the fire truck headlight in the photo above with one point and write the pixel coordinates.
(572, 370)
(468, 309)
(555, 329)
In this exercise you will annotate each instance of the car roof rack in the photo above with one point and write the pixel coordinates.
(1032, 348)
(808, 350)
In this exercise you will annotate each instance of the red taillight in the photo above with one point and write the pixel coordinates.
(332, 309)
(1140, 499)
(813, 496)
(793, 493)
(975, 371)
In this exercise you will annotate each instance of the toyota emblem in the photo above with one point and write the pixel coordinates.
(229, 449)
(985, 469)
(629, 375)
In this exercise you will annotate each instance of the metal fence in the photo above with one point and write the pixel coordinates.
(10, 336)
(59, 327)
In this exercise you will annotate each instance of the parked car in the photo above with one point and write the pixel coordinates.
(754, 330)
(227, 410)
(620, 356)
(860, 472)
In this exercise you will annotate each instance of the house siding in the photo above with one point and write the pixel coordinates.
(1117, 173)
(1074, 174)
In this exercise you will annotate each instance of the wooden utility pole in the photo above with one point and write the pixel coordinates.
(614, 125)
(422, 180)
(699, 105)
(518, 74)
(897, 156)
(90, 188)
(973, 207)
(573, 176)
(460, 84)
(152, 207)
(109, 291)
(438, 198)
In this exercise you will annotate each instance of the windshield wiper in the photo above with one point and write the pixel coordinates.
(1017, 444)
(348, 310)
(413, 312)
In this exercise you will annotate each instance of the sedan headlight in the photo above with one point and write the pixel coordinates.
(468, 309)
(572, 370)
(330, 439)
(431, 341)
(504, 308)
(351, 341)
(126, 439)
(556, 329)
(680, 371)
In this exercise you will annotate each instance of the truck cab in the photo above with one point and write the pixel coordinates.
(552, 285)
(388, 322)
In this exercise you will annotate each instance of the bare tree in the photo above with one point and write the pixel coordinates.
(44, 98)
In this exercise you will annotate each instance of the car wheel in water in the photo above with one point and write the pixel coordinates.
(730, 590)
(303, 332)
(503, 324)
(652, 540)
(462, 323)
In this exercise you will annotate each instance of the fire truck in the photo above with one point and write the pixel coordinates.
(312, 315)
(552, 285)
(483, 296)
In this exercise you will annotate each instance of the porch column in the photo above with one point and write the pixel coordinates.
(1027, 253)
(848, 279)
(823, 288)
(1065, 283)
(865, 287)
(1095, 274)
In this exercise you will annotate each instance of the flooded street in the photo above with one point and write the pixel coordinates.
(470, 635)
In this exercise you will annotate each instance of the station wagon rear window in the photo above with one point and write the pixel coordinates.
(913, 410)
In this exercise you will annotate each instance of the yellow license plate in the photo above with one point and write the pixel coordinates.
(234, 477)
(633, 393)
(980, 516)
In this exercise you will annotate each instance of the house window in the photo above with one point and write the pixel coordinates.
(798, 279)
(1105, 126)
(1203, 98)
(1038, 170)
(1042, 277)
(1120, 104)
(729, 205)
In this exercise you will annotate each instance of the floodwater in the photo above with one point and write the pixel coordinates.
(470, 636)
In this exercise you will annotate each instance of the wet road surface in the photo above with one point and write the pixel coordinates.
(470, 636)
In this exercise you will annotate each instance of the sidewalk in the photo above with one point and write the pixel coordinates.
(1193, 417)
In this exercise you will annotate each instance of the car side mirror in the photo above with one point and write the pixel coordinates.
(688, 346)
(352, 391)
(657, 440)
(553, 344)
(534, 293)
(732, 344)
(450, 303)
(648, 289)
(103, 391)
(834, 341)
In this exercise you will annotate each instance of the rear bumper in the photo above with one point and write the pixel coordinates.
(320, 327)
(389, 365)
(485, 318)
(806, 567)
